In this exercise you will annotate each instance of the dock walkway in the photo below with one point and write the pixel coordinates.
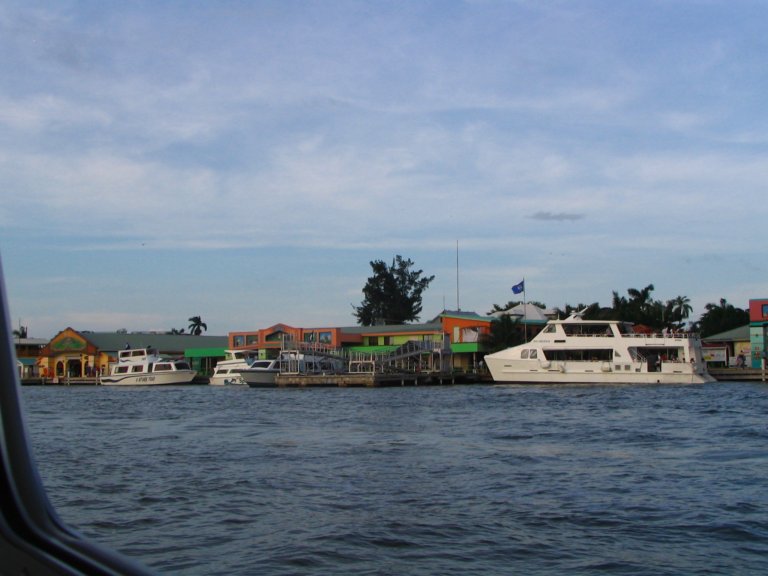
(372, 380)
(738, 374)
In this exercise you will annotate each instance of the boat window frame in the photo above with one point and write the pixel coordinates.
(33, 539)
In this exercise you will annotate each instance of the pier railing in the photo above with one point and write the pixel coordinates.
(414, 356)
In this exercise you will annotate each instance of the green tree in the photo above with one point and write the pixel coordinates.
(642, 307)
(197, 326)
(393, 294)
(504, 333)
(677, 311)
(720, 318)
(512, 303)
(20, 332)
(639, 308)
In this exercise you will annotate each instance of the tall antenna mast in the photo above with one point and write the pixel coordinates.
(458, 307)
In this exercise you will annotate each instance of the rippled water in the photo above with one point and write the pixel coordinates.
(444, 480)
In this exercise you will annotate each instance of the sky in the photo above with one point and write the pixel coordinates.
(245, 161)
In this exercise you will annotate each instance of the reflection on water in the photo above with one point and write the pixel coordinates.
(453, 480)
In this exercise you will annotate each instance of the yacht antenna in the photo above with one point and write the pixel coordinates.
(458, 307)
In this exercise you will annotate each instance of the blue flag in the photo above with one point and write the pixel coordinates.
(519, 288)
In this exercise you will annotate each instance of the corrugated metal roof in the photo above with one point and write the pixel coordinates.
(461, 314)
(740, 334)
(30, 341)
(112, 341)
(528, 314)
(394, 328)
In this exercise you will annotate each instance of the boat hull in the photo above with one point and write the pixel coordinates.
(260, 378)
(152, 379)
(504, 371)
(228, 380)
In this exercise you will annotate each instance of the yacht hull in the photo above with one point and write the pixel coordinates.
(594, 374)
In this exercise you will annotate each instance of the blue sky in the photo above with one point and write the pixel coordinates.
(245, 161)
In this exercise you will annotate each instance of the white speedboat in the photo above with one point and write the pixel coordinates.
(263, 373)
(575, 350)
(144, 367)
(228, 370)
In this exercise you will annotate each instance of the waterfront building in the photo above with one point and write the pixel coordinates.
(84, 355)
(27, 355)
(722, 350)
(463, 331)
(758, 330)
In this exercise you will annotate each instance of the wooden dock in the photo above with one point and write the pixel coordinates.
(739, 374)
(371, 380)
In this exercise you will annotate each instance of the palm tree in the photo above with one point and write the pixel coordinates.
(681, 308)
(619, 307)
(642, 308)
(197, 326)
(20, 332)
(640, 298)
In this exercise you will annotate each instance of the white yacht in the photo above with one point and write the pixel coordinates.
(575, 350)
(144, 367)
(228, 370)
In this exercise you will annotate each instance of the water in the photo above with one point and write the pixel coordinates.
(455, 480)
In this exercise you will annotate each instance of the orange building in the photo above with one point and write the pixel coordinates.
(465, 332)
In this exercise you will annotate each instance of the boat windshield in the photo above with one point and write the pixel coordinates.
(587, 329)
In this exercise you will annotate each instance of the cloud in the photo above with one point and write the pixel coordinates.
(557, 216)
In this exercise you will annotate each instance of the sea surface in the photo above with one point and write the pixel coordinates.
(448, 480)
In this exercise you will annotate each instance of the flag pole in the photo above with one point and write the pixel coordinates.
(525, 313)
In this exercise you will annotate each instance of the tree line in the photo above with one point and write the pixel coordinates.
(393, 295)
(196, 327)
